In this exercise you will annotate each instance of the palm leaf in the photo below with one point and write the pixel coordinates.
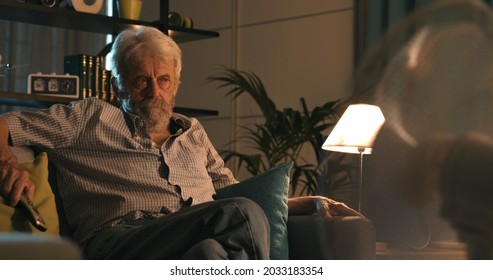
(282, 135)
(245, 82)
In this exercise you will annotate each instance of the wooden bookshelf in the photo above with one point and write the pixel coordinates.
(45, 101)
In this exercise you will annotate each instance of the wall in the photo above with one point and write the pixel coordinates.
(298, 49)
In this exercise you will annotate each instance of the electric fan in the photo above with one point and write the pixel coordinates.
(432, 76)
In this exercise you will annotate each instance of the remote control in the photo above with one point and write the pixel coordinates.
(32, 212)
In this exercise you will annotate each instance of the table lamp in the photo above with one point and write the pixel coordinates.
(355, 133)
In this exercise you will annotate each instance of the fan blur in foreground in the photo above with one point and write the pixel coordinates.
(430, 172)
(355, 133)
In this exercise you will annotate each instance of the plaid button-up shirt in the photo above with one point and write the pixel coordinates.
(108, 169)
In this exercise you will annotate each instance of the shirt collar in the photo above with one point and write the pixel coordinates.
(179, 121)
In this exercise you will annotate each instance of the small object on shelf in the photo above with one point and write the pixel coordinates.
(129, 9)
(91, 7)
(49, 3)
(174, 19)
(177, 20)
(53, 85)
(46, 3)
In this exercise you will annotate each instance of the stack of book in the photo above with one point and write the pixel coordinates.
(94, 79)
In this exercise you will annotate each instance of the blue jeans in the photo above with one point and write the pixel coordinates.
(234, 228)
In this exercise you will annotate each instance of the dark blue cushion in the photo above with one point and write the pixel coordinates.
(270, 191)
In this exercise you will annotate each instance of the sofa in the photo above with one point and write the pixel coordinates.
(308, 237)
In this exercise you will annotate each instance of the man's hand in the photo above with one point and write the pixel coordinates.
(13, 182)
(320, 206)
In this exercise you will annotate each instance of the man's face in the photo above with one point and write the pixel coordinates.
(151, 87)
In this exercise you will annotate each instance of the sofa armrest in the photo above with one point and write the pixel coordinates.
(22, 246)
(346, 238)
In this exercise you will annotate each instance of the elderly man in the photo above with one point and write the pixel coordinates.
(137, 181)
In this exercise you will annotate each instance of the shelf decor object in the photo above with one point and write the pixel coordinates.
(129, 9)
(92, 7)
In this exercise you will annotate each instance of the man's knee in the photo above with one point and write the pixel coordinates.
(253, 230)
(250, 210)
(254, 216)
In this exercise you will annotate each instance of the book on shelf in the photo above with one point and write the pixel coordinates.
(77, 65)
(97, 76)
(94, 79)
(90, 76)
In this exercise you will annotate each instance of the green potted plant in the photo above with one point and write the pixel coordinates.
(283, 134)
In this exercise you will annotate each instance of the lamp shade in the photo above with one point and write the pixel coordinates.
(356, 130)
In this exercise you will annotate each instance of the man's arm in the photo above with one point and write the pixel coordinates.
(13, 180)
(320, 206)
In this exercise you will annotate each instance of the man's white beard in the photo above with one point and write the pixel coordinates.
(155, 112)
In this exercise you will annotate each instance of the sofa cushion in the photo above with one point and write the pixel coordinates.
(13, 219)
(270, 191)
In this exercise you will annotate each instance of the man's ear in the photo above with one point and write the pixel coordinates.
(116, 89)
